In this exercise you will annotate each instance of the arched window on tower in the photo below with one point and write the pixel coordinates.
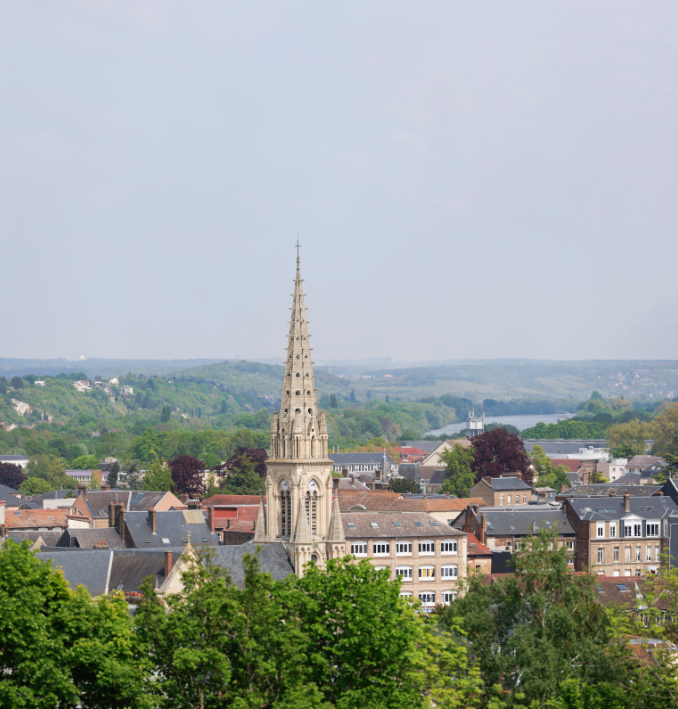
(312, 510)
(285, 513)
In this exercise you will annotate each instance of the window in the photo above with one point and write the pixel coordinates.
(615, 572)
(524, 499)
(406, 594)
(427, 572)
(516, 546)
(627, 572)
(616, 554)
(613, 530)
(382, 548)
(570, 544)
(501, 499)
(657, 554)
(648, 553)
(427, 597)
(359, 548)
(403, 547)
(638, 572)
(449, 596)
(638, 554)
(627, 530)
(380, 568)
(448, 547)
(404, 573)
(652, 529)
(449, 571)
(450, 522)
(165, 540)
(601, 555)
(637, 530)
(600, 532)
(374, 524)
(627, 554)
(427, 547)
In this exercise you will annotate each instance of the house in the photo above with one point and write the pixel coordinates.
(506, 529)
(153, 529)
(272, 558)
(105, 538)
(127, 391)
(427, 446)
(444, 508)
(12, 502)
(639, 462)
(38, 540)
(97, 502)
(434, 460)
(545, 494)
(114, 381)
(82, 385)
(605, 489)
(613, 469)
(39, 520)
(361, 463)
(234, 516)
(427, 556)
(504, 490)
(589, 449)
(479, 556)
(19, 460)
(39, 383)
(623, 535)
(411, 454)
(89, 477)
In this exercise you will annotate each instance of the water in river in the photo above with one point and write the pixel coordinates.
(520, 422)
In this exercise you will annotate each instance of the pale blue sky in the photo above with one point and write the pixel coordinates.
(467, 179)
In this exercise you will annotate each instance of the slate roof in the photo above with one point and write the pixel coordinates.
(603, 490)
(54, 495)
(409, 471)
(359, 525)
(273, 559)
(171, 525)
(358, 458)
(5, 490)
(438, 478)
(231, 500)
(515, 522)
(564, 447)
(351, 485)
(10, 500)
(12, 458)
(131, 566)
(143, 501)
(574, 478)
(592, 509)
(506, 483)
(426, 446)
(633, 479)
(87, 538)
(84, 566)
(643, 461)
(49, 538)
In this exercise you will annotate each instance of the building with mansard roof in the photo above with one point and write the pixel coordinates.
(299, 511)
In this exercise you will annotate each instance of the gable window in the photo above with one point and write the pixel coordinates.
(427, 547)
(638, 530)
(382, 548)
(449, 571)
(403, 547)
(613, 530)
(404, 573)
(427, 572)
(448, 547)
(627, 530)
(652, 529)
(359, 548)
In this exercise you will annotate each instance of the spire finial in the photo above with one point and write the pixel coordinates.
(297, 246)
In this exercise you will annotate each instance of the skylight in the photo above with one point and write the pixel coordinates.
(587, 509)
(603, 510)
(373, 524)
(611, 509)
(418, 524)
(165, 540)
(434, 523)
(512, 527)
(351, 525)
(397, 524)
(621, 587)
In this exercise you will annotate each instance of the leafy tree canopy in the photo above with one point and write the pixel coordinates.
(401, 485)
(85, 462)
(187, 475)
(459, 473)
(11, 475)
(498, 453)
(35, 486)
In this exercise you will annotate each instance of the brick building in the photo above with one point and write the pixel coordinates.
(504, 490)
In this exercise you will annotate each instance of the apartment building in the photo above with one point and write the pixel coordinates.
(428, 556)
(504, 490)
(623, 536)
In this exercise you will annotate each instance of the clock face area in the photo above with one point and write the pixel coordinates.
(283, 484)
(311, 485)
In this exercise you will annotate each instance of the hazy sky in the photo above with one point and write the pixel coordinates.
(467, 179)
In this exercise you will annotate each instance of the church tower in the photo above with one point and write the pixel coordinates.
(299, 509)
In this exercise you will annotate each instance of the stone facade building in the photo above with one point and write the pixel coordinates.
(504, 490)
(429, 557)
(623, 536)
(299, 511)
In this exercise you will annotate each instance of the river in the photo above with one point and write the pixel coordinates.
(520, 422)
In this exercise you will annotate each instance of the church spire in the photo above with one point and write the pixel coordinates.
(299, 431)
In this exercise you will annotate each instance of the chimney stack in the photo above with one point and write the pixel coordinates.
(613, 493)
(111, 514)
(168, 563)
(82, 489)
(210, 518)
(120, 514)
(105, 486)
(152, 520)
(184, 498)
(335, 483)
(483, 528)
(627, 502)
(3, 531)
(447, 495)
(344, 472)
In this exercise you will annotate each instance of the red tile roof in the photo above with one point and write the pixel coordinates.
(231, 500)
(475, 548)
(572, 464)
(30, 519)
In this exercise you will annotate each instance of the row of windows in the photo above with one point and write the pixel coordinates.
(402, 548)
(449, 571)
(509, 498)
(429, 597)
(631, 529)
(630, 554)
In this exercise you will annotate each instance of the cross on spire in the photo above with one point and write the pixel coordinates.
(297, 246)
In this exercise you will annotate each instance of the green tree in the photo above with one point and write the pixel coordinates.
(547, 474)
(632, 435)
(622, 451)
(113, 475)
(459, 475)
(17, 382)
(401, 485)
(50, 468)
(243, 479)
(333, 401)
(165, 414)
(85, 462)
(158, 477)
(35, 486)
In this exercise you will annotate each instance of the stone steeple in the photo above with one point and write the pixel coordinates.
(298, 509)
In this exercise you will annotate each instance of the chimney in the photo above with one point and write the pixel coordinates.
(210, 518)
(184, 498)
(344, 472)
(168, 563)
(627, 502)
(613, 493)
(120, 514)
(447, 495)
(195, 505)
(111, 514)
(3, 531)
(2, 513)
(335, 483)
(82, 489)
(153, 520)
(483, 528)
(105, 486)
(228, 523)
